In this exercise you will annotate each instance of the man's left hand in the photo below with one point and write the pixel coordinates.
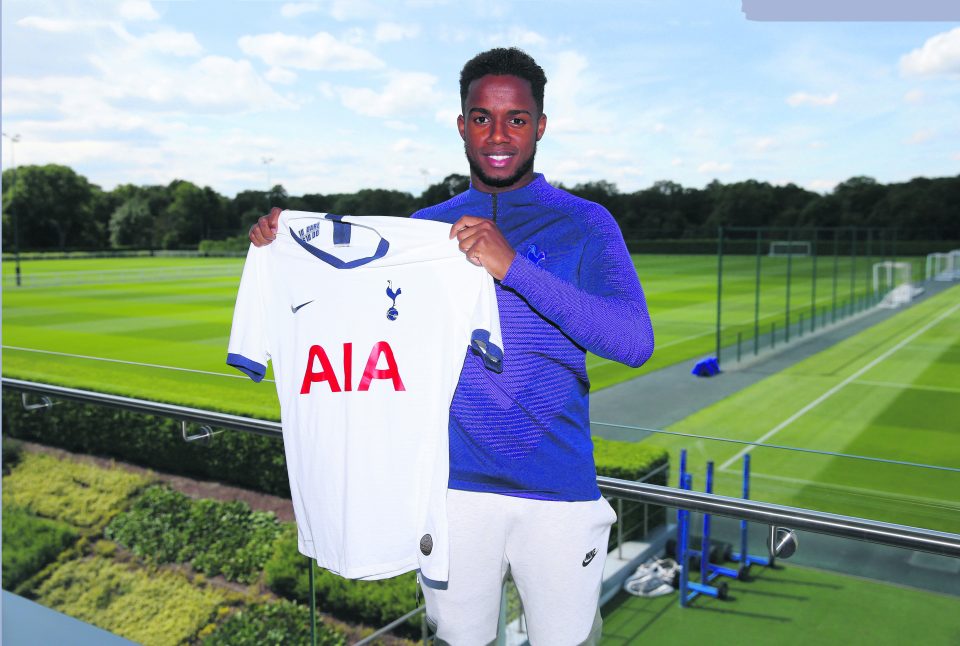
(483, 244)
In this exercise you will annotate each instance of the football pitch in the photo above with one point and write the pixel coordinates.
(872, 425)
(157, 328)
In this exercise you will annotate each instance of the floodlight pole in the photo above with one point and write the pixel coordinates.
(13, 214)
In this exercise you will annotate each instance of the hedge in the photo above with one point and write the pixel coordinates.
(228, 538)
(77, 493)
(632, 461)
(148, 607)
(375, 603)
(270, 624)
(30, 543)
(251, 461)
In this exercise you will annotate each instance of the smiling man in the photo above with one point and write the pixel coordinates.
(522, 493)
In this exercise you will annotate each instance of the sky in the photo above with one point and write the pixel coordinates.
(337, 95)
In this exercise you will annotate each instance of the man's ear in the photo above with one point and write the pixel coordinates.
(460, 126)
(541, 126)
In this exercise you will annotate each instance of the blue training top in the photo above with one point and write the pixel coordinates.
(572, 287)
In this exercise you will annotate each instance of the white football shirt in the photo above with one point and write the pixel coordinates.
(366, 320)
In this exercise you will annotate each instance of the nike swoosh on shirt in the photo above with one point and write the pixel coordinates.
(589, 557)
(296, 308)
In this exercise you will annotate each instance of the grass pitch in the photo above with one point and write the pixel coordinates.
(157, 328)
(788, 605)
(891, 392)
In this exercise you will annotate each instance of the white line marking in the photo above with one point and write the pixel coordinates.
(891, 384)
(861, 491)
(819, 400)
(130, 363)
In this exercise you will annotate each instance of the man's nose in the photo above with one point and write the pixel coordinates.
(499, 133)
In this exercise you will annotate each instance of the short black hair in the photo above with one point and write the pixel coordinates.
(504, 61)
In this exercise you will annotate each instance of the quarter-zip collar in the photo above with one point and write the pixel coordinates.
(497, 202)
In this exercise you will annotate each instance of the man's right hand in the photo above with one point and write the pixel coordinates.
(264, 230)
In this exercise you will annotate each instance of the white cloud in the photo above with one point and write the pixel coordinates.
(406, 93)
(174, 43)
(676, 161)
(320, 52)
(388, 32)
(763, 144)
(713, 167)
(280, 75)
(914, 96)
(574, 98)
(939, 55)
(54, 25)
(822, 185)
(518, 37)
(920, 136)
(659, 127)
(137, 10)
(804, 98)
(294, 9)
(408, 146)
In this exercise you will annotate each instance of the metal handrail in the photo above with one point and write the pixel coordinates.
(903, 536)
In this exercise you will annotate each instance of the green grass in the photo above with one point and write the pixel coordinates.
(790, 605)
(176, 312)
(891, 392)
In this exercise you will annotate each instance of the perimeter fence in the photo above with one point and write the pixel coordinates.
(775, 285)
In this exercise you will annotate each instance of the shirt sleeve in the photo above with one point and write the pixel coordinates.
(606, 312)
(486, 339)
(248, 349)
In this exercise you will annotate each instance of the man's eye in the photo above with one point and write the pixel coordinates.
(480, 120)
(517, 121)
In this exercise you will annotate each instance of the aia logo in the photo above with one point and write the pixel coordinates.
(319, 369)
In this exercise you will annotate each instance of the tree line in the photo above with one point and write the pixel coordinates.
(59, 209)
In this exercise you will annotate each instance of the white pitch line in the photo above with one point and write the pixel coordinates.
(937, 503)
(819, 400)
(129, 363)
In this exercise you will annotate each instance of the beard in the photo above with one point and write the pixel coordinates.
(525, 167)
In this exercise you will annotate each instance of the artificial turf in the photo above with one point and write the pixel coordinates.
(891, 392)
(788, 605)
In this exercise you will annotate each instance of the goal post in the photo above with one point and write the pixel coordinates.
(894, 280)
(943, 266)
(789, 248)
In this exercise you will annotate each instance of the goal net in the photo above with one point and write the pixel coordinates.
(895, 281)
(789, 248)
(943, 266)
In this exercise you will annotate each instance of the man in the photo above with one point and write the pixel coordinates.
(522, 492)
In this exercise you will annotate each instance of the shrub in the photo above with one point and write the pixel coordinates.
(30, 543)
(632, 461)
(83, 495)
(165, 526)
(251, 461)
(271, 624)
(372, 602)
(146, 607)
(12, 451)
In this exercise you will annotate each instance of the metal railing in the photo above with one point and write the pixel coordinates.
(903, 536)
(773, 515)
